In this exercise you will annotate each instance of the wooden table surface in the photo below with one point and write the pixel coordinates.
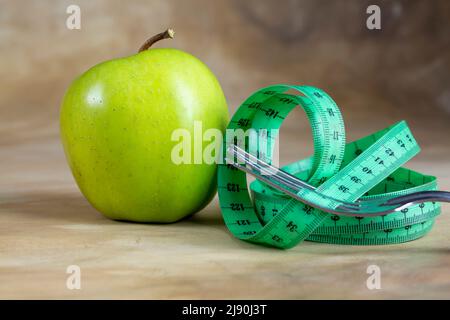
(46, 225)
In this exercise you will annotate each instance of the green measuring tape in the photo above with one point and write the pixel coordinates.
(369, 168)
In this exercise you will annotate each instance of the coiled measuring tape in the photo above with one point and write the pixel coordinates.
(369, 168)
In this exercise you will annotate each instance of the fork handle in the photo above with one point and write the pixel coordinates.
(421, 196)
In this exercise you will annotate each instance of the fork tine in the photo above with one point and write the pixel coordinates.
(282, 181)
(276, 171)
(281, 176)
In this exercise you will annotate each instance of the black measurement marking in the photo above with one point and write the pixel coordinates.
(276, 238)
(237, 206)
(335, 219)
(359, 220)
(331, 112)
(243, 222)
(400, 143)
(332, 159)
(322, 180)
(355, 179)
(307, 209)
(421, 206)
(233, 187)
(379, 161)
(287, 100)
(292, 226)
(271, 113)
(367, 170)
(389, 152)
(254, 105)
(336, 135)
(318, 95)
(243, 122)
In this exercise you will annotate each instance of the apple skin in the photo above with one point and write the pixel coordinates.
(116, 122)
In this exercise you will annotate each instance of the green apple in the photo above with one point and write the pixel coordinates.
(116, 123)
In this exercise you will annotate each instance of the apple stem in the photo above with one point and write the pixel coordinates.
(168, 34)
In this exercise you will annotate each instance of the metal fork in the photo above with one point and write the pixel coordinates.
(292, 186)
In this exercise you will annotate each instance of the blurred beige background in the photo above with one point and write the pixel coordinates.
(399, 72)
(376, 77)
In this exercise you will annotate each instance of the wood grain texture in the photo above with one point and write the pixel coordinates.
(46, 225)
(377, 79)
